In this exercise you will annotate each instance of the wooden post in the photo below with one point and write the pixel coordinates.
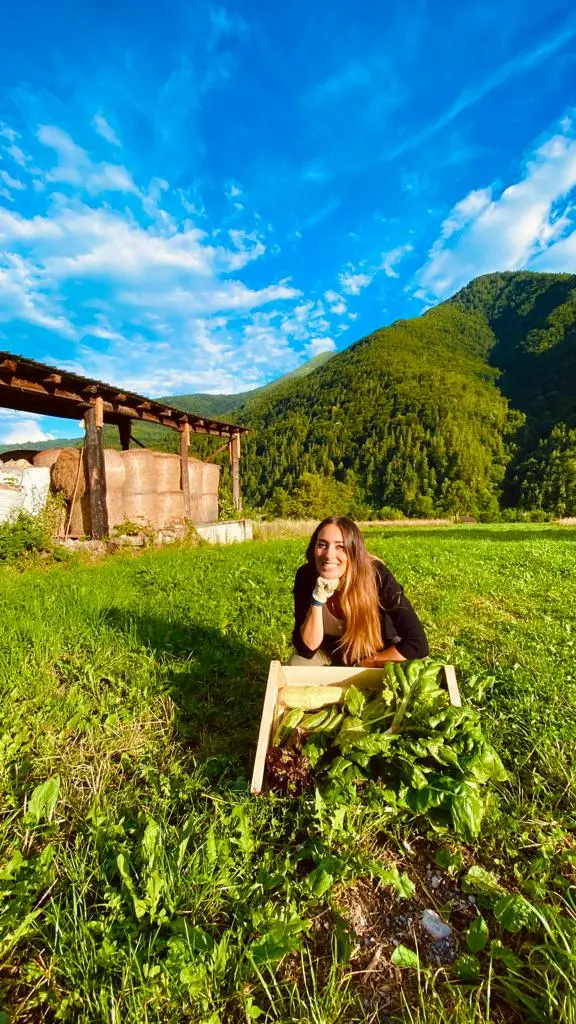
(96, 473)
(235, 459)
(185, 479)
(125, 431)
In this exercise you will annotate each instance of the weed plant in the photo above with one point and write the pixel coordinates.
(140, 883)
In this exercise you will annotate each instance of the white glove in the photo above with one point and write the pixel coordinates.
(324, 589)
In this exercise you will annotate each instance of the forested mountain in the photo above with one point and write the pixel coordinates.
(467, 409)
(533, 319)
(219, 406)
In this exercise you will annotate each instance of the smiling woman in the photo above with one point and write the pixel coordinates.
(348, 607)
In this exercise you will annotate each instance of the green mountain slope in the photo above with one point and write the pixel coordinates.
(218, 406)
(410, 416)
(533, 319)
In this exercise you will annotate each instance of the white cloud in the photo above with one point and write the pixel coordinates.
(317, 345)
(337, 304)
(27, 429)
(105, 130)
(529, 224)
(76, 168)
(392, 258)
(353, 283)
(151, 294)
(11, 182)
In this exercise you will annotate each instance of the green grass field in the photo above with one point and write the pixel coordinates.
(140, 883)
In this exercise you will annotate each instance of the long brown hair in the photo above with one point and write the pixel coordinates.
(358, 592)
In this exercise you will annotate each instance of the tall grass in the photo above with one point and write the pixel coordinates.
(143, 884)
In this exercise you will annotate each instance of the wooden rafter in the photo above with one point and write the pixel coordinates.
(28, 386)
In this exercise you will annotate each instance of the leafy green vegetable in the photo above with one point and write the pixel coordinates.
(404, 957)
(477, 935)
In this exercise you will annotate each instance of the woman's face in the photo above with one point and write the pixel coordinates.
(329, 552)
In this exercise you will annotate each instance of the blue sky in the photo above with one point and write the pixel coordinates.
(200, 197)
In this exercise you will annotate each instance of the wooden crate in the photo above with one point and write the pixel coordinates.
(281, 676)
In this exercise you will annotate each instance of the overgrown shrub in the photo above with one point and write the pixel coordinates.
(24, 534)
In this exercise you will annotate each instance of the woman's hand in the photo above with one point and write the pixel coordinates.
(380, 659)
(324, 589)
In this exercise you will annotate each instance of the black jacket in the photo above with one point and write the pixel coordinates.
(401, 627)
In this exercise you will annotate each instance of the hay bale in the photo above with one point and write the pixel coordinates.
(64, 473)
(139, 472)
(169, 508)
(47, 457)
(114, 469)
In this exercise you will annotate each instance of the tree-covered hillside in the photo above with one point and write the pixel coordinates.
(533, 318)
(467, 409)
(409, 417)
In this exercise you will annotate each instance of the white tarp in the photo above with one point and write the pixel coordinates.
(22, 490)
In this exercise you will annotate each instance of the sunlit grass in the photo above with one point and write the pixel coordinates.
(138, 681)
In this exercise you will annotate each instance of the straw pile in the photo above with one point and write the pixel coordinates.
(67, 475)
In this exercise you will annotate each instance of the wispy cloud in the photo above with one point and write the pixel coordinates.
(528, 224)
(392, 258)
(105, 130)
(520, 64)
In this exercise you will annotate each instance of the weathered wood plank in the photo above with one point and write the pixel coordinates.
(185, 479)
(96, 473)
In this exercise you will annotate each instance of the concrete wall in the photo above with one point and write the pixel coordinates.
(226, 532)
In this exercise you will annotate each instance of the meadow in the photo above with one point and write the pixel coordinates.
(139, 881)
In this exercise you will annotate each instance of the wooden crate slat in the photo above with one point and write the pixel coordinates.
(269, 713)
(453, 691)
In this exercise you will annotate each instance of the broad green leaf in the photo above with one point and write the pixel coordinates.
(485, 765)
(480, 882)
(320, 881)
(467, 811)
(467, 967)
(477, 935)
(276, 943)
(44, 800)
(421, 800)
(404, 957)
(514, 912)
(354, 701)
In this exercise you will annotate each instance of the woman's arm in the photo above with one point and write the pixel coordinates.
(410, 639)
(379, 659)
(312, 629)
(308, 632)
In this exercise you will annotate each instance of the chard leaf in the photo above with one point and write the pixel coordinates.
(514, 912)
(422, 800)
(352, 729)
(467, 811)
(379, 709)
(411, 774)
(354, 701)
(485, 765)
